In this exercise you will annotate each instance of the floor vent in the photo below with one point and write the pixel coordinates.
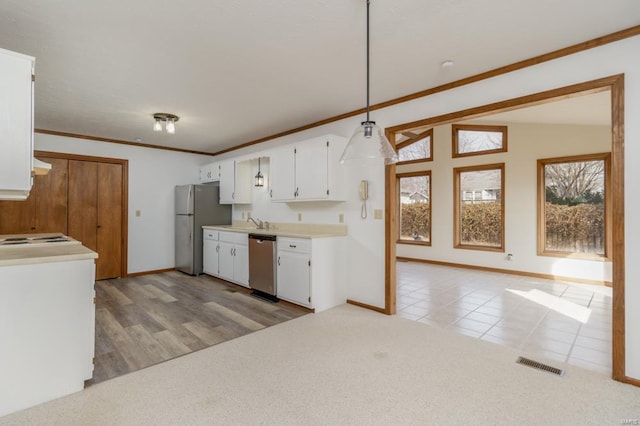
(540, 366)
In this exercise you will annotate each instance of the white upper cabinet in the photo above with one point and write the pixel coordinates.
(210, 172)
(16, 125)
(235, 182)
(282, 174)
(308, 171)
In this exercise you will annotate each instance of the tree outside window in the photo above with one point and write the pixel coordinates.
(414, 147)
(479, 207)
(478, 139)
(572, 205)
(414, 204)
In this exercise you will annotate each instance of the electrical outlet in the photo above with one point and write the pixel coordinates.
(137, 213)
(377, 214)
(341, 218)
(299, 217)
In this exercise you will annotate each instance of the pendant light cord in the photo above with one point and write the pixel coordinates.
(368, 1)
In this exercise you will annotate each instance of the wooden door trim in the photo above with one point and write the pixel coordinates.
(124, 241)
(615, 84)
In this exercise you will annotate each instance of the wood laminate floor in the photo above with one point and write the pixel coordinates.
(144, 320)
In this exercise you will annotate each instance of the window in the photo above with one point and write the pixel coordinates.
(414, 204)
(572, 206)
(414, 147)
(478, 140)
(479, 207)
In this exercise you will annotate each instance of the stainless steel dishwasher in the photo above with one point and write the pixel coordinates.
(262, 265)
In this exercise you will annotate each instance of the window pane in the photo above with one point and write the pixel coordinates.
(415, 212)
(416, 151)
(574, 207)
(481, 208)
(476, 140)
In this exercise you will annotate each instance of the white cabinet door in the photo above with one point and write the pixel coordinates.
(227, 181)
(210, 250)
(210, 173)
(294, 277)
(243, 189)
(235, 182)
(225, 266)
(282, 174)
(241, 265)
(16, 124)
(312, 181)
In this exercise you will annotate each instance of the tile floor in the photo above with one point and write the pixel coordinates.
(561, 321)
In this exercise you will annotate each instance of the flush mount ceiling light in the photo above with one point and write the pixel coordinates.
(259, 177)
(369, 141)
(169, 120)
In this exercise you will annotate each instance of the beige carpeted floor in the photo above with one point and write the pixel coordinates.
(345, 366)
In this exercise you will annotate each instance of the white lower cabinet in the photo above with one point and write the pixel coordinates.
(233, 257)
(311, 271)
(294, 270)
(210, 250)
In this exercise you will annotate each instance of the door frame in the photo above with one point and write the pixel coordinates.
(615, 84)
(125, 195)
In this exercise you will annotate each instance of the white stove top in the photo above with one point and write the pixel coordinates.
(26, 240)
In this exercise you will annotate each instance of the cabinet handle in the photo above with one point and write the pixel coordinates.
(292, 246)
(233, 195)
(297, 192)
(231, 251)
(217, 249)
(271, 193)
(278, 260)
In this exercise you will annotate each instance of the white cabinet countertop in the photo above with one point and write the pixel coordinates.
(287, 230)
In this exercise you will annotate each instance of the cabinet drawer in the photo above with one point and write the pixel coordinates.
(300, 245)
(234, 237)
(210, 234)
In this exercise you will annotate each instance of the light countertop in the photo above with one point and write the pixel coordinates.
(293, 230)
(29, 254)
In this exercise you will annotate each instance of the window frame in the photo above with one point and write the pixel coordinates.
(457, 204)
(413, 140)
(541, 225)
(399, 211)
(478, 128)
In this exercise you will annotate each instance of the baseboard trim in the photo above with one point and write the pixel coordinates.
(631, 381)
(364, 305)
(157, 271)
(507, 271)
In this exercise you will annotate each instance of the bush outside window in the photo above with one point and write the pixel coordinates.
(479, 207)
(414, 204)
(572, 206)
(478, 139)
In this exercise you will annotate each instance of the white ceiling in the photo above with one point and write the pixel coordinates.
(236, 71)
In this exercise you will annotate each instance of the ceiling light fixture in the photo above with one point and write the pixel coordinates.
(169, 120)
(368, 140)
(259, 177)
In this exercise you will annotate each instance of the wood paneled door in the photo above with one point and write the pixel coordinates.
(83, 197)
(96, 212)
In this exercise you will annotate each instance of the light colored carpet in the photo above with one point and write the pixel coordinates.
(345, 366)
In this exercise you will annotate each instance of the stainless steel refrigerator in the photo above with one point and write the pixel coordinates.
(196, 205)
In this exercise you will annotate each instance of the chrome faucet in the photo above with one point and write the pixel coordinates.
(259, 223)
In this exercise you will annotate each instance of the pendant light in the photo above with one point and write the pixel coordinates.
(259, 177)
(368, 140)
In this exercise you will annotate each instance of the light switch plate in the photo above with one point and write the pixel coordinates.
(377, 214)
(137, 213)
(341, 218)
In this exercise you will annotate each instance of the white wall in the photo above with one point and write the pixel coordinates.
(153, 174)
(526, 144)
(366, 256)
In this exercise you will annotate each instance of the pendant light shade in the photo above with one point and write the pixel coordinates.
(369, 141)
